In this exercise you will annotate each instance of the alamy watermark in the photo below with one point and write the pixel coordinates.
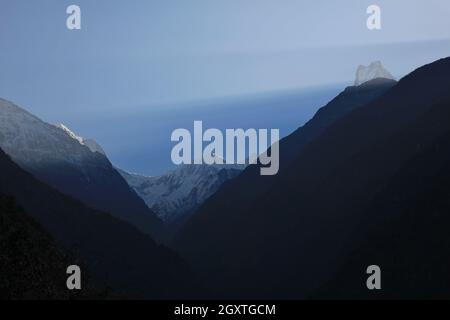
(236, 146)
(374, 280)
(374, 19)
(73, 21)
(74, 280)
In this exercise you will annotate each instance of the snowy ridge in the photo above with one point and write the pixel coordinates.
(32, 142)
(90, 143)
(71, 133)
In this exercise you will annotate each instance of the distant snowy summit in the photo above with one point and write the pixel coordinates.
(373, 71)
(176, 194)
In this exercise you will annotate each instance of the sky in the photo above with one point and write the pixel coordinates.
(143, 54)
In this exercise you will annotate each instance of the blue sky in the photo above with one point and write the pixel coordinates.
(141, 54)
(142, 51)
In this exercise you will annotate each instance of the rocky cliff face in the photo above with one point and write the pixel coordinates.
(71, 164)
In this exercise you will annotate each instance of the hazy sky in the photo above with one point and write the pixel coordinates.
(139, 52)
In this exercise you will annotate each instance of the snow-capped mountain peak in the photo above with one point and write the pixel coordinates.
(370, 72)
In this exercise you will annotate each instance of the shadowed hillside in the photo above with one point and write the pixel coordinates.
(406, 224)
(31, 264)
(289, 240)
(116, 253)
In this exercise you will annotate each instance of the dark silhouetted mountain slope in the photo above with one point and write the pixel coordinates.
(116, 253)
(241, 192)
(406, 224)
(287, 242)
(350, 99)
(31, 265)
